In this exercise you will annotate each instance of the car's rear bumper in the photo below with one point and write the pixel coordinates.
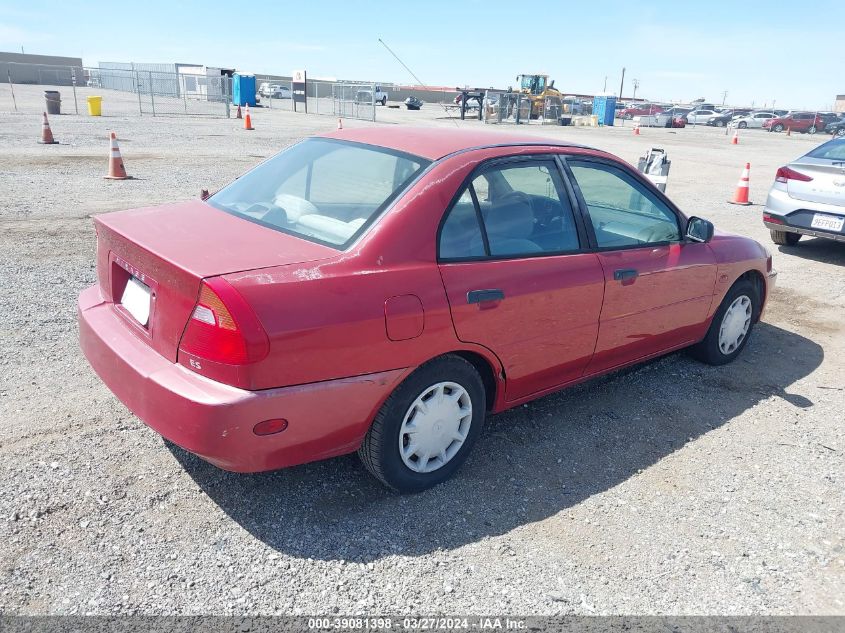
(795, 216)
(214, 420)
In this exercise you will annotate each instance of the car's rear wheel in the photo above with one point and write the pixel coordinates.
(840, 132)
(784, 238)
(777, 127)
(720, 124)
(812, 129)
(742, 125)
(628, 117)
(427, 427)
(731, 327)
(384, 101)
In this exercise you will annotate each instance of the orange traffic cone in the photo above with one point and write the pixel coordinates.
(46, 133)
(340, 124)
(637, 129)
(239, 115)
(247, 118)
(116, 169)
(741, 195)
(735, 139)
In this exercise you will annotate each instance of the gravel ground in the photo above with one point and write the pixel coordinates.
(672, 488)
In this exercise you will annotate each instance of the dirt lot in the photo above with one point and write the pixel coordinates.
(672, 488)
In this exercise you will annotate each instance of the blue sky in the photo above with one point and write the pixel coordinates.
(791, 52)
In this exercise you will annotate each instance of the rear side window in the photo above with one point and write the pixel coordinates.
(522, 212)
(322, 190)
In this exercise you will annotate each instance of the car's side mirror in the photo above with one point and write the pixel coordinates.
(699, 230)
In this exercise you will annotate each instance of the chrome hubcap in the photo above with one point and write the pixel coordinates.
(735, 325)
(435, 427)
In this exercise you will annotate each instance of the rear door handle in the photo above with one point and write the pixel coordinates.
(482, 296)
(625, 273)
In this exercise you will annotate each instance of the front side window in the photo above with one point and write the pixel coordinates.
(622, 211)
(522, 210)
(323, 190)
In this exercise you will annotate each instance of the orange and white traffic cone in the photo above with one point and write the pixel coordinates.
(239, 115)
(741, 194)
(637, 129)
(46, 133)
(340, 124)
(247, 118)
(735, 139)
(116, 169)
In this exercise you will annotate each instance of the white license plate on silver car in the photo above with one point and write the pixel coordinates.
(136, 300)
(827, 222)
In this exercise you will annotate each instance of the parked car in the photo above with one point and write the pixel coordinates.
(836, 129)
(363, 311)
(805, 122)
(264, 88)
(829, 117)
(753, 120)
(368, 96)
(808, 196)
(699, 117)
(724, 117)
(639, 110)
(278, 92)
(674, 117)
(413, 103)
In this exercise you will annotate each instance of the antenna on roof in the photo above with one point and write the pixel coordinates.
(418, 80)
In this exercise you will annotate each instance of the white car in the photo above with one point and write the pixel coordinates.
(279, 92)
(753, 120)
(700, 117)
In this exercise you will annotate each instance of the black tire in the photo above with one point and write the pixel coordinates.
(720, 124)
(812, 129)
(778, 127)
(742, 125)
(708, 351)
(379, 451)
(384, 101)
(840, 132)
(784, 238)
(628, 117)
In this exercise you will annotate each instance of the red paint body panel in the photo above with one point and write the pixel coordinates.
(544, 331)
(345, 327)
(665, 306)
(214, 420)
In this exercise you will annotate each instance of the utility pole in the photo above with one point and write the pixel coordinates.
(605, 84)
(622, 83)
(636, 85)
(724, 96)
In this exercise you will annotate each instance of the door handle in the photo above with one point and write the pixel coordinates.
(482, 296)
(624, 274)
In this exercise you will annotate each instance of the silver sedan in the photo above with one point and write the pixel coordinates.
(808, 196)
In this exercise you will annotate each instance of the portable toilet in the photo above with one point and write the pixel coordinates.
(243, 89)
(604, 108)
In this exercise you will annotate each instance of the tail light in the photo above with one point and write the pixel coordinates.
(223, 328)
(786, 173)
(772, 219)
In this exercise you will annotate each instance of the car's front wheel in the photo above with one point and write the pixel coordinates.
(777, 128)
(426, 428)
(384, 101)
(742, 125)
(784, 238)
(840, 132)
(720, 124)
(731, 327)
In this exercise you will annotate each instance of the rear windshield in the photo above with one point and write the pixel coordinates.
(832, 150)
(323, 190)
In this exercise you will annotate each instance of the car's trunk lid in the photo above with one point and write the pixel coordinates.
(169, 250)
(828, 181)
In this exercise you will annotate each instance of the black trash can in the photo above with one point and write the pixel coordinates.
(53, 101)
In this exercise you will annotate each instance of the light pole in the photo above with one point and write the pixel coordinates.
(724, 96)
(605, 84)
(636, 85)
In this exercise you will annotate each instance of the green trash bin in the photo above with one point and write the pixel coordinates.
(53, 101)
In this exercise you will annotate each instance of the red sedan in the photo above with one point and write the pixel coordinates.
(805, 122)
(383, 290)
(644, 109)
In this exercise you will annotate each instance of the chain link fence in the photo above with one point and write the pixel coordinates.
(123, 92)
(520, 108)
